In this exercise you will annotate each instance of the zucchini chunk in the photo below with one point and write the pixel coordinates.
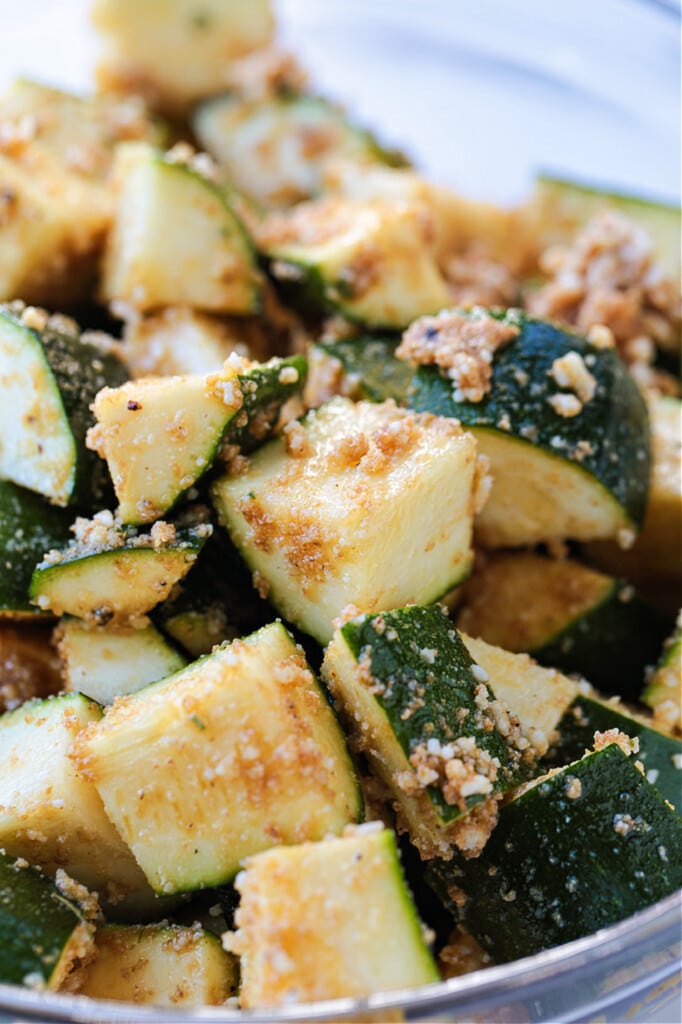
(45, 940)
(105, 662)
(50, 812)
(369, 937)
(559, 207)
(162, 964)
(372, 261)
(175, 239)
(576, 850)
(437, 736)
(249, 729)
(361, 366)
(562, 466)
(29, 667)
(663, 691)
(160, 435)
(176, 52)
(364, 505)
(565, 615)
(276, 150)
(653, 562)
(49, 377)
(109, 573)
(659, 754)
(29, 527)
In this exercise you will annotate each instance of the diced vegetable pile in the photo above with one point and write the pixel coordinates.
(340, 523)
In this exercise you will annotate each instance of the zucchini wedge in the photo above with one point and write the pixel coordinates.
(576, 850)
(567, 616)
(288, 949)
(160, 964)
(663, 691)
(249, 728)
(45, 940)
(364, 505)
(49, 376)
(105, 662)
(112, 574)
(175, 239)
(420, 710)
(29, 527)
(276, 150)
(562, 466)
(160, 435)
(371, 261)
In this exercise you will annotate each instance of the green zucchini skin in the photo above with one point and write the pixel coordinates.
(615, 421)
(264, 393)
(556, 869)
(659, 753)
(370, 362)
(29, 526)
(610, 645)
(36, 924)
(395, 642)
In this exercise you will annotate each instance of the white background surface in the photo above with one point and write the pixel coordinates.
(481, 93)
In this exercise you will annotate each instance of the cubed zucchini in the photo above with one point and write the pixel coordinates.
(164, 964)
(577, 850)
(367, 938)
(49, 377)
(421, 711)
(110, 573)
(247, 728)
(363, 505)
(45, 940)
(175, 239)
(105, 662)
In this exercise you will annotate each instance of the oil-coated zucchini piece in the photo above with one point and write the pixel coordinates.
(29, 527)
(434, 732)
(562, 422)
(111, 573)
(50, 812)
(276, 149)
(45, 940)
(659, 754)
(577, 850)
(250, 730)
(49, 376)
(371, 261)
(162, 964)
(368, 937)
(160, 435)
(105, 662)
(176, 51)
(175, 239)
(565, 615)
(363, 505)
(663, 691)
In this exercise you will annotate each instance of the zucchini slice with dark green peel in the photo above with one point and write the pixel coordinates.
(578, 849)
(367, 364)
(421, 711)
(29, 527)
(118, 576)
(663, 691)
(163, 964)
(176, 240)
(567, 616)
(105, 662)
(43, 934)
(276, 149)
(159, 435)
(582, 476)
(250, 729)
(49, 376)
(659, 753)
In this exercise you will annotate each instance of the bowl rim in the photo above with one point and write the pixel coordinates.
(491, 985)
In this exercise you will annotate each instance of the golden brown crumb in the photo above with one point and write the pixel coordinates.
(474, 278)
(629, 745)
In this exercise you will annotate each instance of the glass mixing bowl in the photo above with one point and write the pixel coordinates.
(482, 96)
